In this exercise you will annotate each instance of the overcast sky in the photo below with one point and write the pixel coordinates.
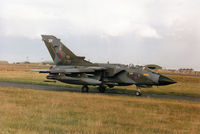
(164, 32)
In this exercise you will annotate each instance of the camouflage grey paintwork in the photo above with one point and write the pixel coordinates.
(73, 69)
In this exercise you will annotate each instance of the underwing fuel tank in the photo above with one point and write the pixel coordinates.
(91, 81)
(80, 81)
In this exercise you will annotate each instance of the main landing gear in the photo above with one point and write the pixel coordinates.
(102, 88)
(85, 88)
(138, 91)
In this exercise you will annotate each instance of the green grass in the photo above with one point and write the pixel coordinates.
(29, 78)
(49, 112)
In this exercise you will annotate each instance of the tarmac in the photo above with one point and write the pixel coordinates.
(108, 92)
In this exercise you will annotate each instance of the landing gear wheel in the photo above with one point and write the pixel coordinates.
(102, 89)
(84, 89)
(137, 93)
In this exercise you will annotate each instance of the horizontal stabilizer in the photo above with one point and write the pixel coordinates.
(41, 71)
(70, 70)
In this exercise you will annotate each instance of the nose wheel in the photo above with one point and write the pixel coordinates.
(84, 89)
(138, 91)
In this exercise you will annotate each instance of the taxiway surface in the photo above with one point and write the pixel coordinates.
(62, 89)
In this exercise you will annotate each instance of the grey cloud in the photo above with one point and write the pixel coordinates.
(140, 32)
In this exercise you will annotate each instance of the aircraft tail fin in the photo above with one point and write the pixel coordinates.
(60, 54)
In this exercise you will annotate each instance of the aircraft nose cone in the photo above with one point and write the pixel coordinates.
(163, 80)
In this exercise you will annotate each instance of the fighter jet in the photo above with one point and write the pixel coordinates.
(73, 69)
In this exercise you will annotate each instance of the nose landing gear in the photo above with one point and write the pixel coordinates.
(138, 91)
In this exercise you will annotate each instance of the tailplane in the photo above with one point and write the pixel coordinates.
(60, 54)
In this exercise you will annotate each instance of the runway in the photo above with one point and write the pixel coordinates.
(108, 92)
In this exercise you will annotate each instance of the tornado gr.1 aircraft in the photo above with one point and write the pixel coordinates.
(73, 69)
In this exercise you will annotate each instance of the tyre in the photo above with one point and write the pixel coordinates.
(138, 93)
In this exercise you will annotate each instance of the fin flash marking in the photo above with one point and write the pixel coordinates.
(59, 55)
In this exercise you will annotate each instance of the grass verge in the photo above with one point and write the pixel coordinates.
(45, 112)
